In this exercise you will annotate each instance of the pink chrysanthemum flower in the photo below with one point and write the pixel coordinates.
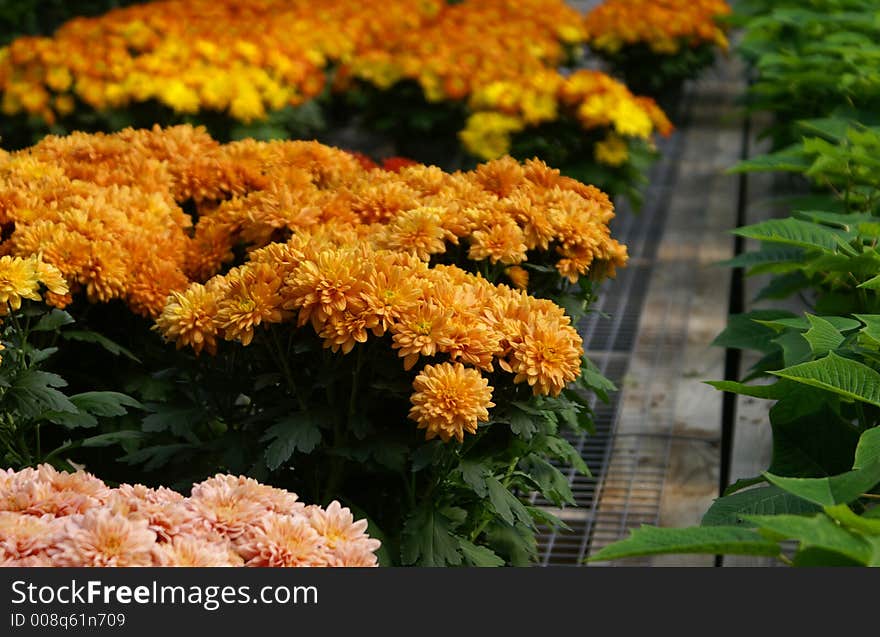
(193, 551)
(100, 537)
(24, 536)
(343, 536)
(354, 555)
(274, 500)
(225, 507)
(31, 561)
(283, 540)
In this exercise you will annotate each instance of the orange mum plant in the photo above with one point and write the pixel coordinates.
(391, 339)
(671, 40)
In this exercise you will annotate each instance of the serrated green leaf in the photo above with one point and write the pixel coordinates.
(299, 432)
(791, 231)
(86, 336)
(112, 438)
(840, 489)
(770, 500)
(794, 348)
(427, 539)
(71, 420)
(768, 392)
(843, 376)
(521, 424)
(158, 456)
(744, 331)
(712, 540)
(104, 403)
(822, 336)
(818, 532)
(840, 323)
(479, 555)
(474, 474)
(868, 449)
(41, 355)
(34, 395)
(550, 481)
(506, 505)
(768, 254)
(52, 321)
(170, 418)
(791, 159)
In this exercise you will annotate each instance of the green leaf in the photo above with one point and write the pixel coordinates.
(71, 420)
(872, 325)
(506, 505)
(872, 283)
(868, 449)
(86, 336)
(160, 455)
(112, 438)
(743, 483)
(426, 455)
(474, 474)
(822, 336)
(817, 443)
(104, 403)
(713, 540)
(791, 159)
(768, 254)
(427, 539)
(521, 424)
(818, 532)
(840, 489)
(843, 376)
(793, 232)
(769, 392)
(561, 449)
(516, 543)
(729, 510)
(40, 355)
(299, 432)
(843, 514)
(794, 348)
(52, 321)
(479, 555)
(744, 331)
(33, 394)
(840, 323)
(783, 286)
(550, 481)
(178, 420)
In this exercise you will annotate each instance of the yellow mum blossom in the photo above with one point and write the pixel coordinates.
(488, 135)
(611, 151)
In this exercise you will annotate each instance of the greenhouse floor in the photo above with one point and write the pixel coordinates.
(656, 453)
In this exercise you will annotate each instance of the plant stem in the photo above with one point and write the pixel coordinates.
(280, 358)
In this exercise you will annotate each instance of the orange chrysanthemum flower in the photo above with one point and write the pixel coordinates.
(449, 400)
(547, 356)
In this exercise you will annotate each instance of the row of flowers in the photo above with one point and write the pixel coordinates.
(106, 210)
(317, 304)
(455, 70)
